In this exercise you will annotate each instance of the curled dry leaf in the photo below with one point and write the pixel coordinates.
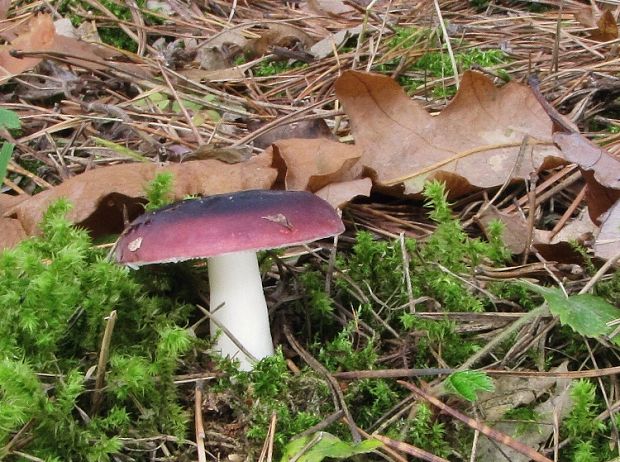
(311, 164)
(102, 197)
(482, 126)
(330, 7)
(550, 399)
(11, 230)
(281, 35)
(607, 244)
(603, 23)
(339, 193)
(514, 236)
(552, 246)
(600, 169)
(5, 5)
(307, 128)
(325, 47)
(41, 36)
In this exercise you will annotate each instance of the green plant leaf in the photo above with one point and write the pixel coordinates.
(467, 383)
(9, 119)
(586, 314)
(5, 155)
(315, 448)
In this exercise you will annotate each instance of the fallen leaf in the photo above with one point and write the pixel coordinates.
(603, 23)
(308, 128)
(340, 193)
(555, 394)
(5, 5)
(41, 36)
(554, 247)
(8, 201)
(514, 236)
(330, 7)
(600, 169)
(311, 164)
(282, 35)
(512, 392)
(482, 126)
(103, 195)
(12, 233)
(325, 47)
(581, 229)
(607, 244)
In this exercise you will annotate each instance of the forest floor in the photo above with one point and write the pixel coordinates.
(468, 312)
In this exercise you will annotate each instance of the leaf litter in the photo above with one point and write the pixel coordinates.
(381, 149)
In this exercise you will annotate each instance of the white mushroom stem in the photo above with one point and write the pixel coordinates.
(238, 304)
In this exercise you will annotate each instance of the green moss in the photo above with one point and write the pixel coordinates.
(268, 68)
(436, 64)
(589, 437)
(56, 293)
(298, 401)
(111, 35)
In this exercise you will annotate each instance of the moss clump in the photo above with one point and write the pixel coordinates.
(56, 293)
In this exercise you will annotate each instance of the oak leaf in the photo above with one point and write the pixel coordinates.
(473, 143)
(311, 164)
(104, 197)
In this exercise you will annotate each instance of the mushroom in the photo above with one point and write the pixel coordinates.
(229, 229)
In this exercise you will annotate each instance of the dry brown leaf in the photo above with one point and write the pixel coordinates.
(514, 236)
(41, 36)
(473, 143)
(11, 232)
(603, 23)
(311, 164)
(600, 168)
(330, 7)
(5, 5)
(8, 201)
(607, 244)
(101, 197)
(307, 128)
(325, 47)
(554, 247)
(282, 35)
(338, 194)
(550, 399)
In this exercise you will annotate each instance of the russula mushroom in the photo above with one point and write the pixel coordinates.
(229, 229)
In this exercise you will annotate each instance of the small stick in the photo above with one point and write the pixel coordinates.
(198, 423)
(600, 273)
(274, 421)
(267, 451)
(409, 449)
(556, 44)
(227, 332)
(531, 216)
(569, 211)
(406, 272)
(104, 353)
(446, 37)
(476, 425)
(326, 422)
(191, 124)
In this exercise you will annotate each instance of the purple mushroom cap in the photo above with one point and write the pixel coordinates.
(227, 223)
